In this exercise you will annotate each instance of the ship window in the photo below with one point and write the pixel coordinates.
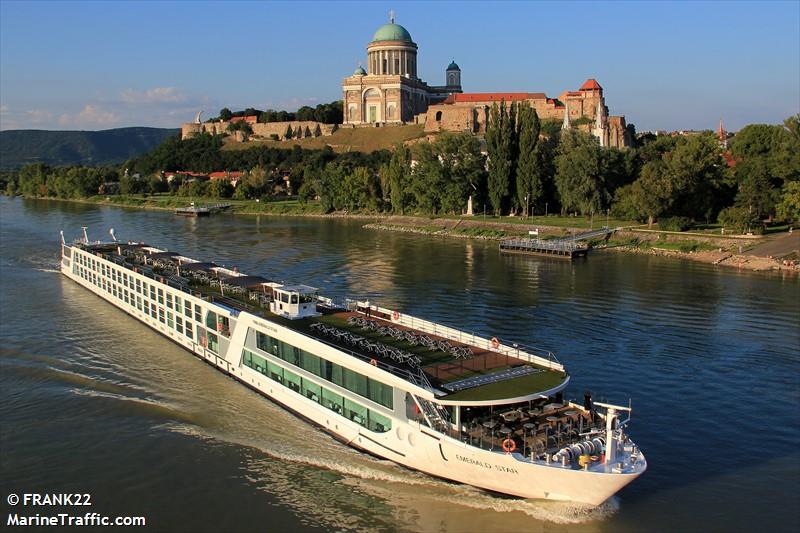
(263, 342)
(152, 292)
(153, 310)
(275, 372)
(161, 296)
(355, 412)
(170, 321)
(336, 375)
(161, 314)
(355, 382)
(311, 363)
(139, 303)
(294, 298)
(380, 393)
(312, 391)
(169, 300)
(197, 313)
(378, 422)
(179, 324)
(213, 343)
(177, 305)
(211, 320)
(332, 401)
(292, 380)
(188, 331)
(188, 310)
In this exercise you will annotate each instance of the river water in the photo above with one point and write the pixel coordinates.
(93, 402)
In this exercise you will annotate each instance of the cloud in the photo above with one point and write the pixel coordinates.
(89, 116)
(38, 116)
(156, 95)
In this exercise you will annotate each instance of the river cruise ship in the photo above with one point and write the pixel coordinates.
(455, 405)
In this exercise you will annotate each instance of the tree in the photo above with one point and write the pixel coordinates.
(579, 174)
(289, 133)
(396, 179)
(220, 188)
(789, 207)
(767, 158)
(740, 219)
(652, 194)
(530, 186)
(499, 146)
(427, 179)
(698, 173)
(225, 114)
(462, 169)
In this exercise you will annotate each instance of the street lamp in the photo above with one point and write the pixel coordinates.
(526, 206)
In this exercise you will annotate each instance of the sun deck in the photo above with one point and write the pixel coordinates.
(461, 368)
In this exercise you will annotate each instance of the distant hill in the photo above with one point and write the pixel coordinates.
(19, 147)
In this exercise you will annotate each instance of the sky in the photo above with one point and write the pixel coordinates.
(663, 65)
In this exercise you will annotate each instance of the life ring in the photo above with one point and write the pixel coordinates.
(395, 315)
(373, 362)
(509, 445)
(495, 342)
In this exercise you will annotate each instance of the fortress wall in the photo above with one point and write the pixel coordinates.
(191, 129)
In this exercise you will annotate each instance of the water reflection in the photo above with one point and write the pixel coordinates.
(709, 358)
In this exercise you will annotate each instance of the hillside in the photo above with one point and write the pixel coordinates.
(19, 147)
(346, 139)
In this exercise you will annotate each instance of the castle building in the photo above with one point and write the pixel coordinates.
(389, 90)
(584, 109)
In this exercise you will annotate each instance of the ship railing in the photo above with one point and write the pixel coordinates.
(533, 355)
(415, 378)
(231, 305)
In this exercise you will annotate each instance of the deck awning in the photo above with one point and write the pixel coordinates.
(198, 266)
(163, 255)
(250, 282)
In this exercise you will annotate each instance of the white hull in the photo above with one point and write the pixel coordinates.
(409, 442)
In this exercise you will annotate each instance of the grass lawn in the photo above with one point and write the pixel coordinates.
(166, 201)
(511, 388)
(550, 220)
(345, 139)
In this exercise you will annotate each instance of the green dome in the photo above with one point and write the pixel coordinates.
(453, 66)
(392, 32)
(360, 71)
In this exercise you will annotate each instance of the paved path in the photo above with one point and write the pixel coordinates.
(778, 245)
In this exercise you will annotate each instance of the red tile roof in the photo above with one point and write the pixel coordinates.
(591, 84)
(232, 175)
(494, 97)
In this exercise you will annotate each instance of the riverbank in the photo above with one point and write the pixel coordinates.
(711, 248)
(726, 251)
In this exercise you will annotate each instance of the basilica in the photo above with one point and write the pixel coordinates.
(388, 92)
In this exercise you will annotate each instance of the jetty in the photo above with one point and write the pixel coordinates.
(566, 248)
(201, 211)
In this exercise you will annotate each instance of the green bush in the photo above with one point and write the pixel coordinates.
(675, 224)
(740, 220)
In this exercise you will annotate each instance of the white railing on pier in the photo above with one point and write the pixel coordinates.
(528, 354)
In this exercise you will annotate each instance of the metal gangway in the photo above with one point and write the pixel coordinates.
(567, 247)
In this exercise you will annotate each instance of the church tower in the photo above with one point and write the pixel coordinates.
(453, 78)
(600, 129)
(566, 125)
